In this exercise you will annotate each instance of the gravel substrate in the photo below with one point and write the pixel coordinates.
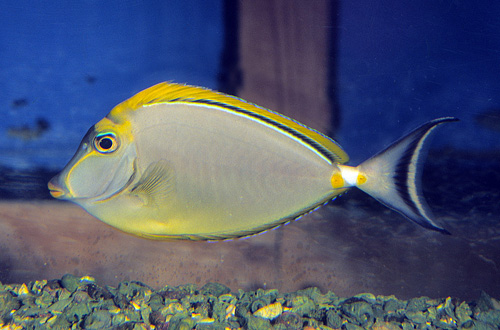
(79, 303)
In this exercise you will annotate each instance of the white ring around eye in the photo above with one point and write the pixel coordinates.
(106, 143)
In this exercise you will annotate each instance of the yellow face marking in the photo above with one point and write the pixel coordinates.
(120, 127)
(337, 181)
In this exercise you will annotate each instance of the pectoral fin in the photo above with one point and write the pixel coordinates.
(156, 185)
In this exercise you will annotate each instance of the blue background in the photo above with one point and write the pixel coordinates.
(405, 62)
(51, 49)
(400, 63)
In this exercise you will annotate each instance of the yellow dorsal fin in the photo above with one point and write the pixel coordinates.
(166, 92)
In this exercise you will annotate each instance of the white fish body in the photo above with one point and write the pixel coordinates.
(183, 162)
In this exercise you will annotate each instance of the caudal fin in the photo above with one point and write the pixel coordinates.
(393, 176)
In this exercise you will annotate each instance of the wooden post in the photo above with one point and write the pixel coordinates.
(284, 57)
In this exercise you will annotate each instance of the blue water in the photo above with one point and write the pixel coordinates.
(400, 64)
(404, 62)
(71, 62)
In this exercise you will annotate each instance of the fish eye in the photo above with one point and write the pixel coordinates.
(105, 143)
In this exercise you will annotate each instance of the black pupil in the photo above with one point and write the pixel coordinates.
(105, 143)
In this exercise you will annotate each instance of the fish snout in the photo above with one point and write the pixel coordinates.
(56, 189)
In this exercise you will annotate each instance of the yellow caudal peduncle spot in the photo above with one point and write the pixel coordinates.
(360, 179)
(348, 176)
(337, 181)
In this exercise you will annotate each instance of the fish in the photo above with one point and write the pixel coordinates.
(181, 162)
(28, 133)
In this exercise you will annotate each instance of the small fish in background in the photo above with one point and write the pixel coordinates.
(90, 79)
(489, 119)
(19, 103)
(26, 132)
(184, 162)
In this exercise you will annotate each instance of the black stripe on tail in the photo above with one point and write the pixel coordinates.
(394, 175)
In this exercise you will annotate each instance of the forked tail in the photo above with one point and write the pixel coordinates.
(393, 176)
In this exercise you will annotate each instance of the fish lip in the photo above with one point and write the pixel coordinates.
(55, 190)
